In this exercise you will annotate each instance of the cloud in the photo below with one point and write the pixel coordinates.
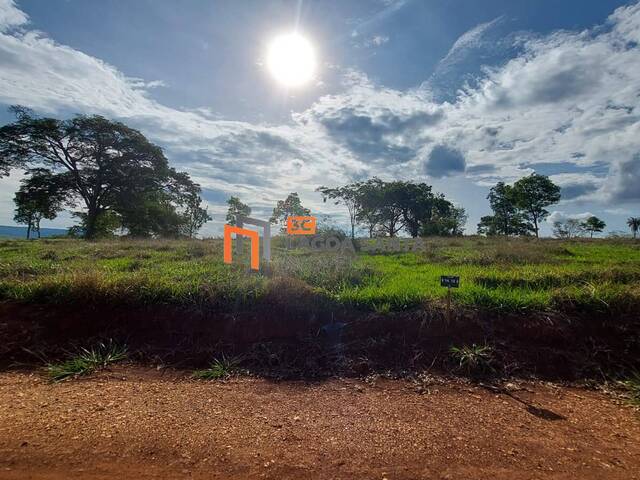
(375, 41)
(471, 39)
(559, 216)
(624, 184)
(444, 161)
(486, 44)
(373, 123)
(11, 16)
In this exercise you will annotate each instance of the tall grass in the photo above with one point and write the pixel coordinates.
(515, 275)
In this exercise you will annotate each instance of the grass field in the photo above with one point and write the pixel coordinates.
(514, 275)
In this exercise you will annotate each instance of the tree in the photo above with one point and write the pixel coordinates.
(634, 225)
(419, 206)
(349, 196)
(507, 218)
(106, 224)
(593, 225)
(194, 215)
(532, 194)
(236, 207)
(569, 228)
(105, 165)
(382, 206)
(457, 220)
(39, 196)
(489, 225)
(291, 206)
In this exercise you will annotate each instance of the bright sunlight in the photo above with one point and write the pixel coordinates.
(291, 60)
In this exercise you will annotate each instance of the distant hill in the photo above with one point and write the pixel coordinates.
(21, 232)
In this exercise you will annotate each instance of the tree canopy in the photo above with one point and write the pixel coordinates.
(519, 209)
(291, 206)
(40, 196)
(593, 225)
(108, 169)
(532, 195)
(236, 207)
(388, 208)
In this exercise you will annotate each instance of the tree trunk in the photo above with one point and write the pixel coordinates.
(90, 226)
(28, 230)
(535, 225)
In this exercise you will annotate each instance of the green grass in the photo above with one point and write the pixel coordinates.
(87, 361)
(472, 359)
(510, 275)
(218, 370)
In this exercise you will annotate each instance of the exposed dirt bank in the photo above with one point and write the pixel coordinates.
(304, 340)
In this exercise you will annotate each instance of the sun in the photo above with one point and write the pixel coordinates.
(291, 60)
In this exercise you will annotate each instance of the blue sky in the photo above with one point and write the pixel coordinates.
(460, 94)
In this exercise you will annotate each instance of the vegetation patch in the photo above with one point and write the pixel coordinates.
(544, 275)
(219, 369)
(87, 361)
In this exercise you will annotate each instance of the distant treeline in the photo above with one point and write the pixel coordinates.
(123, 183)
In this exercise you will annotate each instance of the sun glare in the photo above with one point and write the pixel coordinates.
(291, 60)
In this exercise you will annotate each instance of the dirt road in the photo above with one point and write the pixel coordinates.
(135, 422)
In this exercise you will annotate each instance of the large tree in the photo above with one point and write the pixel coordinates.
(349, 196)
(382, 205)
(593, 225)
(291, 206)
(105, 166)
(532, 195)
(40, 196)
(507, 218)
(448, 220)
(387, 208)
(236, 207)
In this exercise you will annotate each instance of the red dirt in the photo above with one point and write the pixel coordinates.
(139, 422)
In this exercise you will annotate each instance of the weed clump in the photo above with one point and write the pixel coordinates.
(474, 359)
(219, 369)
(87, 361)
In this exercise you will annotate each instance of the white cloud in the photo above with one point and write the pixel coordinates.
(467, 41)
(376, 41)
(11, 16)
(559, 216)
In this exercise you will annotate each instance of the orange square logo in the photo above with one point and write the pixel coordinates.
(301, 225)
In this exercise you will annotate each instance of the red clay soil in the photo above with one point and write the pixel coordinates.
(141, 423)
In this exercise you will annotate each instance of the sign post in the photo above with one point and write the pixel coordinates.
(450, 282)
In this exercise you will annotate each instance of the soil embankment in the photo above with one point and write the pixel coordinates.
(304, 340)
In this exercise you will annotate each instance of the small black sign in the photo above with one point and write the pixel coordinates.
(449, 281)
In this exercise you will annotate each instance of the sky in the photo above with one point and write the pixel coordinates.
(460, 94)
